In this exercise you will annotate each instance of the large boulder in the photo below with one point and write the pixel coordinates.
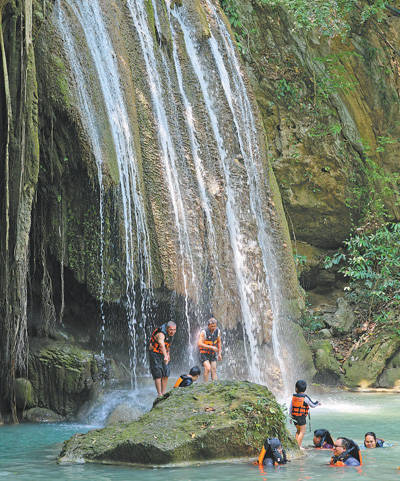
(41, 415)
(221, 420)
(327, 366)
(366, 363)
(63, 375)
(24, 395)
(343, 319)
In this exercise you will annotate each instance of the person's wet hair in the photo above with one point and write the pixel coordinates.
(370, 433)
(325, 436)
(301, 385)
(195, 371)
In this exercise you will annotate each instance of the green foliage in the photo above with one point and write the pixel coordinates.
(371, 261)
(330, 17)
(335, 78)
(311, 322)
(231, 10)
(371, 185)
(299, 259)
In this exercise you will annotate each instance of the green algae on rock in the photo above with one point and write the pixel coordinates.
(221, 420)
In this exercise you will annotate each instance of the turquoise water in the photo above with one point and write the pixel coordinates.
(28, 452)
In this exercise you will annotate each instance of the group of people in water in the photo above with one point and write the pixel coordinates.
(345, 451)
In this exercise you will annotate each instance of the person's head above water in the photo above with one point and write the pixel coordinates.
(301, 386)
(195, 372)
(322, 437)
(171, 328)
(371, 441)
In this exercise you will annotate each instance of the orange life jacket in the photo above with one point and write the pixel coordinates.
(154, 345)
(299, 407)
(211, 339)
(184, 381)
(342, 459)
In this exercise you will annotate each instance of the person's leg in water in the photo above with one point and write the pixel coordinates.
(214, 370)
(301, 430)
(157, 382)
(207, 369)
(164, 382)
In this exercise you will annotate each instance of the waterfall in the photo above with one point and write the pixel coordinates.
(241, 109)
(100, 47)
(167, 143)
(87, 110)
(210, 166)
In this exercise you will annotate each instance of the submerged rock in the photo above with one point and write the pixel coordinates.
(221, 420)
(42, 415)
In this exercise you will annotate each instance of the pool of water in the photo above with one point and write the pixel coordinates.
(28, 452)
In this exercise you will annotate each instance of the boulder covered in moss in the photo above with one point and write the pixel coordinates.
(63, 375)
(327, 366)
(205, 422)
(367, 363)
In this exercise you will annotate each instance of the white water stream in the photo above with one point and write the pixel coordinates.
(100, 47)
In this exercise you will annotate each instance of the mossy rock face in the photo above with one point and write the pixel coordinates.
(327, 366)
(63, 376)
(368, 361)
(221, 420)
(24, 393)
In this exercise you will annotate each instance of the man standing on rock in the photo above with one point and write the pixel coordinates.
(210, 349)
(159, 347)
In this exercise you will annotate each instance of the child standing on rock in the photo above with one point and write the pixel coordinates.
(299, 407)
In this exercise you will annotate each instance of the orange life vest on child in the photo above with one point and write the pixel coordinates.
(211, 339)
(299, 407)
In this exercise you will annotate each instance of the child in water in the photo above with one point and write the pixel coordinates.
(299, 407)
(322, 439)
(186, 380)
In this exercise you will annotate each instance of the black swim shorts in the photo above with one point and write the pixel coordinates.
(212, 356)
(299, 420)
(158, 368)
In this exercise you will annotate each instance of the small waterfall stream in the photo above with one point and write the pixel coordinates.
(89, 17)
(210, 162)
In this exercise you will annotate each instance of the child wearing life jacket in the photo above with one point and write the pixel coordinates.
(346, 453)
(322, 439)
(186, 380)
(272, 453)
(299, 407)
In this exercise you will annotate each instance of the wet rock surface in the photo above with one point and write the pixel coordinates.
(222, 420)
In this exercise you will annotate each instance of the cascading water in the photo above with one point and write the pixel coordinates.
(100, 47)
(87, 110)
(209, 160)
(242, 111)
(169, 151)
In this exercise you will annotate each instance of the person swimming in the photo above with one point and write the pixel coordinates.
(346, 453)
(322, 439)
(372, 442)
(272, 453)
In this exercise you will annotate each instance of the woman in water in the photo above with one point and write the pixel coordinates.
(323, 439)
(372, 442)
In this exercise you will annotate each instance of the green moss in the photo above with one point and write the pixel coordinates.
(204, 422)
